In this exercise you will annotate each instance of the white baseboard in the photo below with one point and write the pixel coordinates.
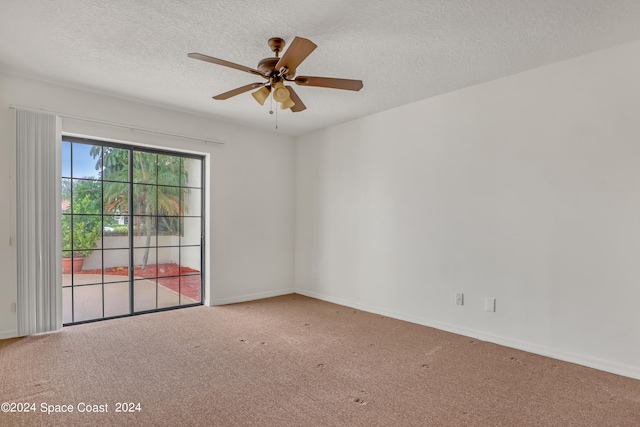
(591, 362)
(250, 297)
(8, 334)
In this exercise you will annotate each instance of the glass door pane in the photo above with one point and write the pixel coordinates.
(162, 202)
(132, 230)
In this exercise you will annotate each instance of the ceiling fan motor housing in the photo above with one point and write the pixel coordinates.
(267, 65)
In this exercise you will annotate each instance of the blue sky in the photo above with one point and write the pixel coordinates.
(84, 165)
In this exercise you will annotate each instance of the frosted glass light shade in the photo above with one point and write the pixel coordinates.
(280, 93)
(261, 94)
(287, 104)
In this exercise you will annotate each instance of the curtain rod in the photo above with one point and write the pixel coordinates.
(131, 127)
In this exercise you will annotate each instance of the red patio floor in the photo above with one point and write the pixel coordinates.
(183, 280)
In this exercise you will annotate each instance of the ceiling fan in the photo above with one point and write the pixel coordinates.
(279, 70)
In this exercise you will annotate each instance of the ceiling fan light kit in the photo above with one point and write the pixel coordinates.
(278, 70)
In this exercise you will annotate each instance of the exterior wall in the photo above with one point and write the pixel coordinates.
(168, 253)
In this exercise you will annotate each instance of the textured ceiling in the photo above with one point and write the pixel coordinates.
(403, 50)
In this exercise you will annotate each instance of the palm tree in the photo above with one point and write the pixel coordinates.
(156, 189)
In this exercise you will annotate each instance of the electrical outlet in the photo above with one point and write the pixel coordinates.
(315, 275)
(459, 299)
(490, 304)
(13, 307)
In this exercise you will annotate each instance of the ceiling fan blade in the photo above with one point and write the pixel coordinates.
(237, 91)
(329, 82)
(295, 98)
(224, 63)
(296, 53)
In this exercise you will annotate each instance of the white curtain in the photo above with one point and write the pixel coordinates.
(39, 306)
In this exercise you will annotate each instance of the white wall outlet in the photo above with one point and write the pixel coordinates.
(459, 299)
(490, 304)
(315, 275)
(13, 307)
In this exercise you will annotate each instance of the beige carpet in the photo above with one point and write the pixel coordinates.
(296, 361)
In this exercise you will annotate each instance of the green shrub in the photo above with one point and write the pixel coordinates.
(121, 230)
(87, 229)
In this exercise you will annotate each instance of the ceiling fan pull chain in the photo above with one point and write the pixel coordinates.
(271, 107)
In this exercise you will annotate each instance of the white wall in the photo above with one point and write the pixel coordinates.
(249, 180)
(526, 189)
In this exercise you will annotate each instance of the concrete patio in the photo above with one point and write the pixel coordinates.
(88, 300)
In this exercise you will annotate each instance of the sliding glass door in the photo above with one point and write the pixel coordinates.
(132, 230)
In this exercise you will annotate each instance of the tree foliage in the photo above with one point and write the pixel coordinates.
(157, 202)
(82, 232)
